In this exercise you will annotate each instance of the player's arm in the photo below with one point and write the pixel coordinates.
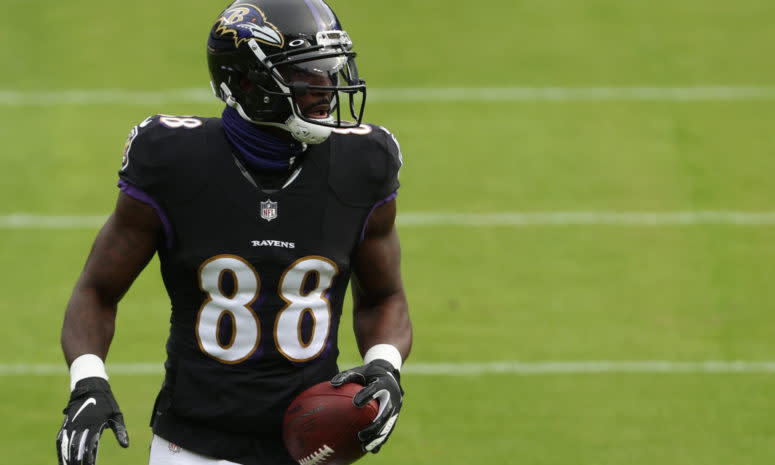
(121, 250)
(381, 312)
(123, 247)
(382, 326)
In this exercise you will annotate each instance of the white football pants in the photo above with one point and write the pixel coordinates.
(164, 452)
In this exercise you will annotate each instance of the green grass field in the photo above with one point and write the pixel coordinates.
(560, 127)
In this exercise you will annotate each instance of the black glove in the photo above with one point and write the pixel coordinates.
(383, 382)
(92, 407)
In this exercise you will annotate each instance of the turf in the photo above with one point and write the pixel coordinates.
(478, 293)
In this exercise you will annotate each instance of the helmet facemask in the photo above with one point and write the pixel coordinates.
(324, 77)
(307, 90)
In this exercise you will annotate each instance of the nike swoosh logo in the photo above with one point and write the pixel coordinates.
(89, 401)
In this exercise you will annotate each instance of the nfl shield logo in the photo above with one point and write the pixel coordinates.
(268, 210)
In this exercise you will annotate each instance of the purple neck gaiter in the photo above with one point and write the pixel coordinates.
(258, 149)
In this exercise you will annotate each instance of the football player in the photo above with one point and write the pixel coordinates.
(259, 219)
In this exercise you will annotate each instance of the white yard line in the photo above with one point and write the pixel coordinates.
(510, 219)
(586, 218)
(15, 97)
(35, 221)
(582, 367)
(571, 367)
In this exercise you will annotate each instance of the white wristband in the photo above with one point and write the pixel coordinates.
(86, 366)
(386, 352)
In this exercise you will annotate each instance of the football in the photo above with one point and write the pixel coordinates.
(321, 425)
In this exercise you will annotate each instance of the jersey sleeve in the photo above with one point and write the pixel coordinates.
(144, 164)
(366, 162)
(156, 156)
(154, 167)
(393, 160)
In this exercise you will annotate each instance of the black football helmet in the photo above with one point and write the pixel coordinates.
(265, 54)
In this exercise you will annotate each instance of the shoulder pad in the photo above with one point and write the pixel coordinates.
(154, 139)
(161, 148)
(365, 162)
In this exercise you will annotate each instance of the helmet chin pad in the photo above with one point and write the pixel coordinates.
(306, 132)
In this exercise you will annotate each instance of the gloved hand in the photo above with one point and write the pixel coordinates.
(383, 383)
(92, 407)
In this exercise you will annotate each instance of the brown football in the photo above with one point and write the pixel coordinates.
(321, 425)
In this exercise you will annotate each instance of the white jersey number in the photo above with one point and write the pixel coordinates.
(245, 326)
(174, 122)
(361, 130)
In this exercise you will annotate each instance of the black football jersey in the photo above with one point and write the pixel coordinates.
(256, 277)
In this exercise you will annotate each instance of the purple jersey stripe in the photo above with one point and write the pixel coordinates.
(137, 194)
(381, 202)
